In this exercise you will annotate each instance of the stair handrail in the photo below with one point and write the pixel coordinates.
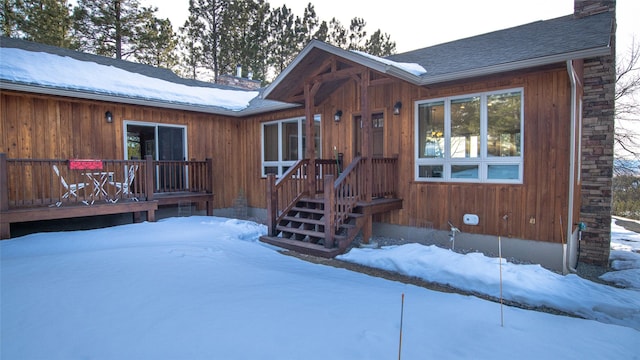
(348, 190)
(283, 194)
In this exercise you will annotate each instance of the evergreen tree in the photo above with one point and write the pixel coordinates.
(10, 14)
(380, 44)
(110, 27)
(357, 34)
(311, 28)
(285, 39)
(157, 44)
(47, 22)
(246, 36)
(190, 46)
(43, 21)
(207, 18)
(337, 34)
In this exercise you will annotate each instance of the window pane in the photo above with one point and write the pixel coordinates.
(290, 141)
(464, 171)
(465, 128)
(318, 143)
(431, 130)
(271, 170)
(271, 142)
(430, 171)
(503, 124)
(509, 172)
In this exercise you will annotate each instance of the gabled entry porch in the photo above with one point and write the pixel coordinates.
(314, 207)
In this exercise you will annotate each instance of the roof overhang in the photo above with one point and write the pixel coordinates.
(283, 81)
(514, 66)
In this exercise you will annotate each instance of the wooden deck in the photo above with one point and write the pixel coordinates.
(30, 190)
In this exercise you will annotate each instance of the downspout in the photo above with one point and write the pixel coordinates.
(572, 167)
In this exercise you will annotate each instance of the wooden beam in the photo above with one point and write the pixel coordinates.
(337, 75)
(309, 94)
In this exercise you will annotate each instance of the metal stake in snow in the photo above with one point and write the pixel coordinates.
(401, 317)
(506, 219)
(500, 259)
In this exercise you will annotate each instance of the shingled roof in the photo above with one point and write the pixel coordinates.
(536, 43)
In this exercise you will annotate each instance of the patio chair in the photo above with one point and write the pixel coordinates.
(71, 189)
(125, 186)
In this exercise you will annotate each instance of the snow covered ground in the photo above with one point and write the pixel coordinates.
(205, 288)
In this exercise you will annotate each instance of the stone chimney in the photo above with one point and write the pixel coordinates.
(582, 8)
(598, 109)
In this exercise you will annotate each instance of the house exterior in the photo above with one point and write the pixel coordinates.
(503, 135)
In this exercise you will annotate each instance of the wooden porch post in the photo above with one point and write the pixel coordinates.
(329, 212)
(149, 187)
(367, 150)
(210, 186)
(272, 204)
(310, 149)
(5, 227)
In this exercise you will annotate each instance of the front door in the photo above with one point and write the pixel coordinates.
(377, 133)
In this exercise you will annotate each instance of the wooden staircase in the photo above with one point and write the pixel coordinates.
(310, 213)
(302, 229)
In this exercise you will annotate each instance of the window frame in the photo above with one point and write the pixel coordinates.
(483, 161)
(280, 164)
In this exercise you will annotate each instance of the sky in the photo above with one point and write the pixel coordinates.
(204, 287)
(414, 25)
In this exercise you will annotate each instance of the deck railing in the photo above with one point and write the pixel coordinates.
(283, 194)
(347, 189)
(34, 182)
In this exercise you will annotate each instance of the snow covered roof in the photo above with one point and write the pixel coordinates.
(28, 66)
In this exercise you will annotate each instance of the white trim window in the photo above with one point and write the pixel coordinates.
(471, 138)
(284, 143)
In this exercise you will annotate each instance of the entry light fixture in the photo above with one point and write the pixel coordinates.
(337, 116)
(396, 108)
(108, 116)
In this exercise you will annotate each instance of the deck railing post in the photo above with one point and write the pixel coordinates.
(4, 183)
(272, 204)
(210, 184)
(329, 211)
(149, 187)
(5, 227)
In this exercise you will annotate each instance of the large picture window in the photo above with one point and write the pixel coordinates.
(284, 143)
(472, 138)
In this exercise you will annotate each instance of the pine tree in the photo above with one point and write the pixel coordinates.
(380, 44)
(245, 40)
(357, 34)
(10, 14)
(47, 22)
(43, 21)
(337, 34)
(285, 39)
(110, 27)
(207, 17)
(157, 44)
(192, 55)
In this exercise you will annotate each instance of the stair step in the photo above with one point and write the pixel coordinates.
(302, 247)
(312, 200)
(304, 220)
(307, 210)
(310, 233)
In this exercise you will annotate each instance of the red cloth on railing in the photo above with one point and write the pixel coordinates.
(85, 164)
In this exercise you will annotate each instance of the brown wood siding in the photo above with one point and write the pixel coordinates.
(534, 208)
(50, 127)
